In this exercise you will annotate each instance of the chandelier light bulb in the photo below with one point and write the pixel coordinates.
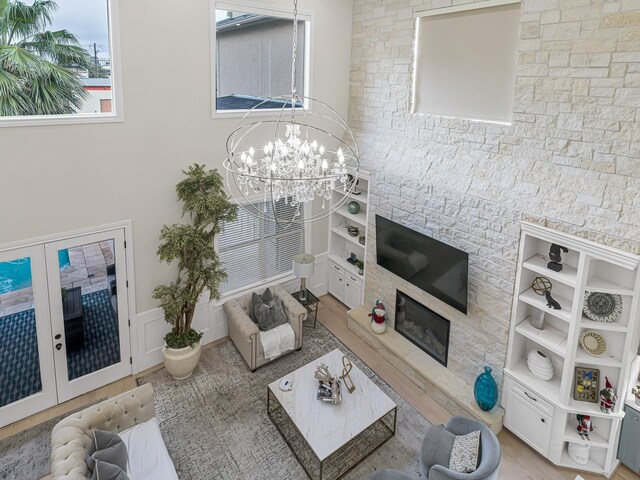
(243, 157)
(321, 150)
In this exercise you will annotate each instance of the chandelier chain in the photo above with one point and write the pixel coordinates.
(294, 50)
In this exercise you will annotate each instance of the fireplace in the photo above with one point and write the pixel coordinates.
(423, 327)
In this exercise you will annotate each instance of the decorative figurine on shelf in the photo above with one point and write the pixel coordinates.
(347, 185)
(584, 426)
(485, 390)
(608, 397)
(378, 318)
(542, 286)
(556, 257)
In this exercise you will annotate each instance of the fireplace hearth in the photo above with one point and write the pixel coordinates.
(423, 327)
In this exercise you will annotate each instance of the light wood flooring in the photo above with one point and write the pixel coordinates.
(519, 462)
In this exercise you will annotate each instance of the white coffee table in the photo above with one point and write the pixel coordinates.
(329, 440)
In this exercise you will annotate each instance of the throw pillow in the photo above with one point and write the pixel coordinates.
(270, 315)
(465, 453)
(106, 447)
(256, 299)
(108, 471)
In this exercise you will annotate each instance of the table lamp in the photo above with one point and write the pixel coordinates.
(304, 264)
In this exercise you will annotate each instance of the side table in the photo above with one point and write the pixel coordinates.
(310, 304)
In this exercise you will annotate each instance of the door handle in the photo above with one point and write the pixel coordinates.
(58, 346)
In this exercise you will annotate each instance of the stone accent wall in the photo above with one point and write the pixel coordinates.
(570, 160)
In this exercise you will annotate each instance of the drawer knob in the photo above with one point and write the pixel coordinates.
(635, 417)
(542, 420)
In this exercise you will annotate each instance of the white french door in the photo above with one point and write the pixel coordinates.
(27, 376)
(64, 322)
(89, 315)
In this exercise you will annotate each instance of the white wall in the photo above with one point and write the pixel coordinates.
(62, 178)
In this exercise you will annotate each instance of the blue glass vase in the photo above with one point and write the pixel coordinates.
(486, 390)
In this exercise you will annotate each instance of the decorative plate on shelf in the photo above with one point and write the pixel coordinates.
(602, 307)
(593, 343)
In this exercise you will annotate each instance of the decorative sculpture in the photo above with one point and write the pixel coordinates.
(608, 397)
(556, 257)
(542, 286)
(329, 385)
(346, 363)
(584, 426)
(378, 316)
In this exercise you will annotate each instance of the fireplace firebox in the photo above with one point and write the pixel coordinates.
(423, 327)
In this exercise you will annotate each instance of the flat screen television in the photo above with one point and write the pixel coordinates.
(435, 267)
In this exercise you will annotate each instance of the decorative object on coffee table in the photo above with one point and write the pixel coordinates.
(304, 266)
(485, 390)
(593, 343)
(329, 385)
(190, 247)
(378, 318)
(602, 307)
(555, 255)
(347, 366)
(586, 384)
(542, 286)
(353, 231)
(608, 397)
(353, 207)
(540, 365)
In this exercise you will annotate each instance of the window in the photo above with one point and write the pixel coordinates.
(253, 250)
(58, 62)
(465, 61)
(253, 57)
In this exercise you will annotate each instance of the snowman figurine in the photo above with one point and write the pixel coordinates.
(378, 318)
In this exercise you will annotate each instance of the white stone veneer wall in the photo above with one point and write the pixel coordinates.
(570, 160)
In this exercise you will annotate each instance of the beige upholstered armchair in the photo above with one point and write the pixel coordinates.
(244, 333)
(71, 437)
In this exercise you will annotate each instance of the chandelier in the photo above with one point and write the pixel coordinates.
(302, 152)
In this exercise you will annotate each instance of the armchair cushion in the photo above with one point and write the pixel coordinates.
(270, 315)
(106, 447)
(108, 471)
(465, 452)
(256, 299)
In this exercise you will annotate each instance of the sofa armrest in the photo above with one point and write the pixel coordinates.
(71, 437)
(239, 320)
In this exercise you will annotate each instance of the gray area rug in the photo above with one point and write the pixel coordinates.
(215, 424)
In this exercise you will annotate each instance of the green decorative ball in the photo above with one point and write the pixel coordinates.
(353, 207)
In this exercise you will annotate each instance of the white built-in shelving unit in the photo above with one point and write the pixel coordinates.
(543, 413)
(345, 282)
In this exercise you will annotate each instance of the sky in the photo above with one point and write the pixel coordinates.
(87, 19)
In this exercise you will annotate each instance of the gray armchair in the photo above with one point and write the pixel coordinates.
(436, 450)
(244, 333)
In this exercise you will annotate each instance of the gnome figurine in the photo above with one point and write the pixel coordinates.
(378, 316)
(584, 426)
(607, 397)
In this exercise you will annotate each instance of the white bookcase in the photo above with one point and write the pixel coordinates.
(543, 413)
(345, 282)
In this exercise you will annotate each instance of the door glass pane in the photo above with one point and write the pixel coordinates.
(89, 307)
(19, 361)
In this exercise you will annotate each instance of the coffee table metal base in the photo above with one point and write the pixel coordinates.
(342, 460)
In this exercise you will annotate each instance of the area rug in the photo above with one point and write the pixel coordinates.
(215, 424)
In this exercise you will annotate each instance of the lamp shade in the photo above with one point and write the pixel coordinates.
(304, 264)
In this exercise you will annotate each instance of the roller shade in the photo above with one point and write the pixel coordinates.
(254, 250)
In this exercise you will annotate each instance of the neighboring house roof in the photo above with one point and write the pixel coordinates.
(95, 82)
(246, 102)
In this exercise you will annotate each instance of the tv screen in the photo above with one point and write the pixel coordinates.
(435, 267)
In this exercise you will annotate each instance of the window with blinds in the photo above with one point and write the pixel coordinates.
(253, 250)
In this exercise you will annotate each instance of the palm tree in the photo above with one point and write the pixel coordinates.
(36, 65)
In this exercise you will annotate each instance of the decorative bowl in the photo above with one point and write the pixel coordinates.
(602, 307)
(593, 343)
(353, 231)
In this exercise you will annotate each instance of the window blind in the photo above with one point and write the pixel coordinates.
(465, 63)
(253, 250)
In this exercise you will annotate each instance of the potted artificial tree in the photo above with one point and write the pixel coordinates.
(191, 245)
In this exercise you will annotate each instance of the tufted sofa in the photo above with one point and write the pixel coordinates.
(245, 334)
(71, 437)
